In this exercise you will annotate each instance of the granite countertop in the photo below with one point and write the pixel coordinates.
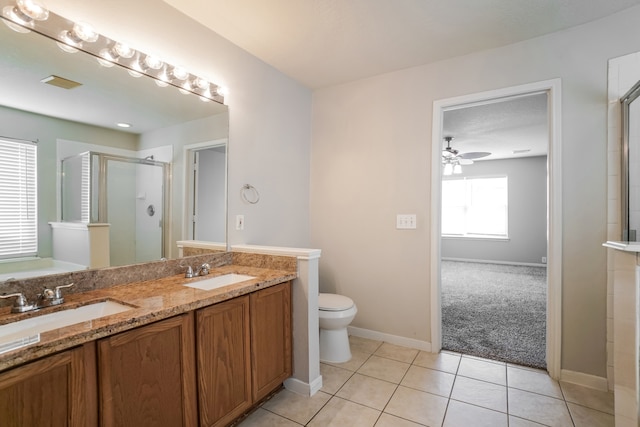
(151, 301)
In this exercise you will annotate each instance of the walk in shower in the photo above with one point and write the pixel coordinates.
(129, 194)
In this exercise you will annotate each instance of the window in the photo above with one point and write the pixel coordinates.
(18, 199)
(475, 207)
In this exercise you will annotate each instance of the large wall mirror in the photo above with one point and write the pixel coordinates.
(66, 122)
(630, 184)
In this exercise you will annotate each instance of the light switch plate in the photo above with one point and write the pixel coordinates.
(239, 222)
(406, 221)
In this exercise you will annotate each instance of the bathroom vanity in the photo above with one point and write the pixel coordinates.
(179, 356)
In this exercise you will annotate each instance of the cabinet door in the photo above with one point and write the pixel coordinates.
(224, 376)
(270, 338)
(147, 375)
(59, 390)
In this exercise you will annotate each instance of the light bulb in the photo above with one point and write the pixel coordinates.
(222, 91)
(81, 32)
(201, 83)
(32, 9)
(448, 169)
(153, 62)
(457, 169)
(179, 73)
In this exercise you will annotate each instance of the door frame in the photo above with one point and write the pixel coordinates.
(188, 151)
(554, 211)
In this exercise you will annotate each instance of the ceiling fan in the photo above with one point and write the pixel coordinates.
(452, 156)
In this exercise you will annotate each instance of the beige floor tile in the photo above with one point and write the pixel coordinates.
(333, 378)
(367, 391)
(387, 420)
(591, 398)
(358, 357)
(542, 409)
(340, 413)
(461, 414)
(480, 393)
(417, 406)
(364, 344)
(396, 352)
(384, 369)
(263, 418)
(296, 407)
(429, 380)
(586, 417)
(534, 381)
(483, 370)
(483, 359)
(519, 422)
(443, 361)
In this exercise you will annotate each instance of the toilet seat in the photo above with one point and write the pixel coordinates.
(334, 302)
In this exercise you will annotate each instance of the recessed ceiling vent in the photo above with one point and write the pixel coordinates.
(60, 82)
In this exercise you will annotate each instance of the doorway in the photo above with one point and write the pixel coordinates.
(553, 211)
(206, 191)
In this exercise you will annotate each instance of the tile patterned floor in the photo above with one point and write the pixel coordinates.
(385, 385)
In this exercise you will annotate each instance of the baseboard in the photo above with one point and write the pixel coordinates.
(485, 261)
(586, 380)
(302, 388)
(391, 339)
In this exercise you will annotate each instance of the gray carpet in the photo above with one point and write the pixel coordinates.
(495, 311)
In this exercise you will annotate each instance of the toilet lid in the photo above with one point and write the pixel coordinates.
(334, 302)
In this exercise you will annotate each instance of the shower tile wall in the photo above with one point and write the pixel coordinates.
(624, 72)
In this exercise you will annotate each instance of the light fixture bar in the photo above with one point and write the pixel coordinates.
(25, 15)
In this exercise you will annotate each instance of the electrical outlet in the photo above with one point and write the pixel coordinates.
(239, 222)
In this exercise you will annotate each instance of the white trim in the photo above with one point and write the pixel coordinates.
(299, 253)
(585, 380)
(554, 211)
(489, 261)
(302, 388)
(391, 339)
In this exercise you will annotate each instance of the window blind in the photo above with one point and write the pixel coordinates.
(18, 198)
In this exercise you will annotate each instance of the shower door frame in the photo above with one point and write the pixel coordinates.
(625, 102)
(166, 193)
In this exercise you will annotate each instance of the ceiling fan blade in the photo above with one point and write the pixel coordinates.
(474, 155)
(465, 162)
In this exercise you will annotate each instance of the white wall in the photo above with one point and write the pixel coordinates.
(269, 118)
(371, 157)
(211, 198)
(527, 192)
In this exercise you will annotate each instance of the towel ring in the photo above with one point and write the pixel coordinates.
(254, 196)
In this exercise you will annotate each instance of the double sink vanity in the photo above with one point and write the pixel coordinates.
(151, 347)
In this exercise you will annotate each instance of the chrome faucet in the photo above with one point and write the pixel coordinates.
(21, 304)
(203, 270)
(50, 297)
(47, 298)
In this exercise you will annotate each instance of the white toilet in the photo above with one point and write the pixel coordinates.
(336, 313)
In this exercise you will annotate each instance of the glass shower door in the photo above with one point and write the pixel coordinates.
(134, 208)
(631, 165)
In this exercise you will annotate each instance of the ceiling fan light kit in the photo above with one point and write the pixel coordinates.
(452, 159)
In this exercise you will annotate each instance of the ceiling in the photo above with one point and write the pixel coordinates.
(327, 42)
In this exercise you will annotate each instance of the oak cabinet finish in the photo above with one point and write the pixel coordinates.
(147, 375)
(270, 338)
(224, 368)
(59, 390)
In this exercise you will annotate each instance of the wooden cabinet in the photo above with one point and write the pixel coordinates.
(243, 352)
(59, 390)
(147, 375)
(270, 338)
(224, 366)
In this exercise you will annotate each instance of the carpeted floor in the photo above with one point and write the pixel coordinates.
(495, 311)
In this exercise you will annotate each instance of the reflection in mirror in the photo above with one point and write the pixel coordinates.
(631, 165)
(67, 122)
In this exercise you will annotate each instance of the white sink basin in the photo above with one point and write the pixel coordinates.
(24, 332)
(219, 281)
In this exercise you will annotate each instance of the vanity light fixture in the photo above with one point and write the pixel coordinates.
(110, 55)
(30, 15)
(24, 13)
